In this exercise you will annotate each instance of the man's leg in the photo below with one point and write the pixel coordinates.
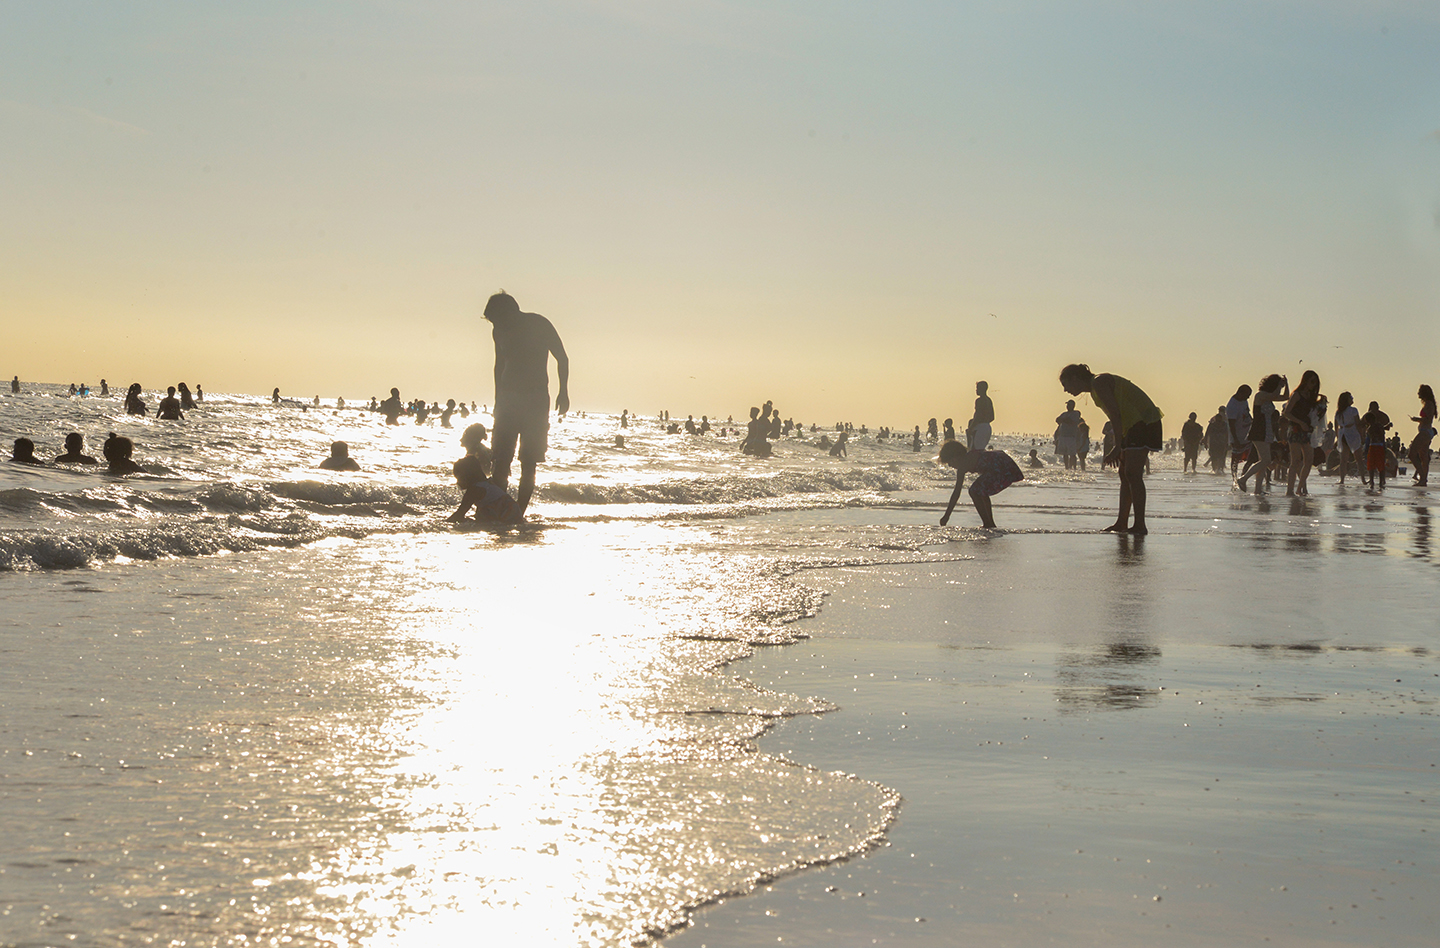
(1122, 520)
(1137, 487)
(526, 488)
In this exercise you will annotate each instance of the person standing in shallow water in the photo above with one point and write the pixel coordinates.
(994, 470)
(1137, 423)
(524, 343)
(977, 433)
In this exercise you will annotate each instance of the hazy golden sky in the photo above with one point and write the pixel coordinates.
(853, 209)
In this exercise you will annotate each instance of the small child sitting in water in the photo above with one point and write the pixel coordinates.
(491, 502)
(995, 471)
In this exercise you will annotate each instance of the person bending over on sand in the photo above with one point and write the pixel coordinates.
(1420, 447)
(1191, 434)
(134, 404)
(994, 470)
(339, 459)
(1138, 430)
(391, 408)
(169, 407)
(1373, 424)
(75, 450)
(24, 452)
(119, 451)
(524, 343)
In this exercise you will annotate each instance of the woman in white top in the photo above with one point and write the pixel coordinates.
(1347, 430)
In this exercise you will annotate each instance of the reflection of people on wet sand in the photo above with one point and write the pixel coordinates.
(75, 450)
(24, 452)
(339, 459)
(1138, 428)
(118, 451)
(994, 470)
(524, 343)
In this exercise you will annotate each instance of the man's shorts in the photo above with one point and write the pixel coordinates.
(1375, 458)
(979, 437)
(532, 430)
(1141, 435)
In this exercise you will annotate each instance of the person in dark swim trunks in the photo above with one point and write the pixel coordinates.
(994, 470)
(1137, 426)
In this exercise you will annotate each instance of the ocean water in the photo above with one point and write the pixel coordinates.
(247, 702)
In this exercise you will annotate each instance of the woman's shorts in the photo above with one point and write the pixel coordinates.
(1142, 435)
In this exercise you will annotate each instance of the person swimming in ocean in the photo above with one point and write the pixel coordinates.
(275, 396)
(134, 404)
(994, 470)
(445, 415)
(187, 402)
(119, 452)
(1034, 459)
(15, 385)
(524, 343)
(1138, 428)
(169, 407)
(75, 451)
(24, 452)
(392, 408)
(339, 459)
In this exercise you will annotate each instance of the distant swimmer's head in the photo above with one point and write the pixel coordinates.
(1077, 378)
(1272, 383)
(24, 449)
(473, 435)
(395, 392)
(134, 388)
(123, 448)
(981, 388)
(74, 442)
(952, 453)
(339, 449)
(501, 304)
(450, 403)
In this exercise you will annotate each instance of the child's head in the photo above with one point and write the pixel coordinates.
(473, 436)
(953, 454)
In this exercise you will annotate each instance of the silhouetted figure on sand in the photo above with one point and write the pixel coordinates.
(75, 451)
(1191, 434)
(524, 343)
(1264, 430)
(391, 408)
(994, 470)
(1374, 423)
(977, 433)
(134, 404)
(169, 407)
(1138, 430)
(118, 451)
(24, 452)
(339, 459)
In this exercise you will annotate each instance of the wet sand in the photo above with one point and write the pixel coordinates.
(1222, 733)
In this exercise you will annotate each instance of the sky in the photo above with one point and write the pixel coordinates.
(855, 210)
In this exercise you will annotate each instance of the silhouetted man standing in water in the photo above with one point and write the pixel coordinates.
(523, 344)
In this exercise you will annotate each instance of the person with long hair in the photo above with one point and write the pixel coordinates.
(1296, 416)
(1420, 447)
(1347, 432)
(1264, 430)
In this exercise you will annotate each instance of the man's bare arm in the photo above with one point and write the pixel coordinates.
(562, 371)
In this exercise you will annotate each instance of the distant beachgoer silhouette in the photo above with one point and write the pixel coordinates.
(24, 452)
(104, 388)
(339, 459)
(1420, 447)
(134, 404)
(275, 397)
(1034, 459)
(199, 392)
(839, 450)
(994, 470)
(756, 444)
(187, 402)
(947, 429)
(625, 418)
(1137, 425)
(392, 408)
(1191, 434)
(977, 432)
(169, 407)
(1239, 422)
(1217, 441)
(524, 343)
(15, 385)
(932, 430)
(119, 451)
(1264, 430)
(915, 439)
(1299, 429)
(1067, 424)
(75, 451)
(445, 415)
(1374, 424)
